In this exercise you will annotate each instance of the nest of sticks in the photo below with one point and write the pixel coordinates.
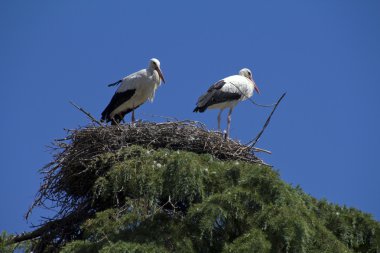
(67, 178)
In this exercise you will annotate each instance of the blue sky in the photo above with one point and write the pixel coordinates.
(325, 54)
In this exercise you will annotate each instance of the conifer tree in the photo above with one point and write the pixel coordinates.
(145, 198)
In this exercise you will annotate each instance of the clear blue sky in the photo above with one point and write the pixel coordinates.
(324, 137)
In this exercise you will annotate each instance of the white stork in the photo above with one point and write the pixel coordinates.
(226, 93)
(134, 90)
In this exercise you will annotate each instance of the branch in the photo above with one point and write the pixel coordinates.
(168, 118)
(53, 228)
(254, 141)
(87, 113)
(28, 236)
(255, 149)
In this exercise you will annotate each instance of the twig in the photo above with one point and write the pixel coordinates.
(87, 113)
(254, 141)
(162, 206)
(261, 150)
(162, 117)
(261, 105)
(251, 100)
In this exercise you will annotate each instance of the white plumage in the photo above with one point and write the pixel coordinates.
(134, 90)
(227, 93)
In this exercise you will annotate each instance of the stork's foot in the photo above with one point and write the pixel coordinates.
(225, 135)
(219, 132)
(135, 122)
(117, 124)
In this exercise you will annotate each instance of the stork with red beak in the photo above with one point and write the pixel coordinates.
(227, 93)
(134, 90)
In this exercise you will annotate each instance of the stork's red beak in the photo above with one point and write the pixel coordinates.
(257, 89)
(160, 74)
(254, 85)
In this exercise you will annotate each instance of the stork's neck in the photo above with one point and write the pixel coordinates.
(251, 81)
(153, 74)
(150, 70)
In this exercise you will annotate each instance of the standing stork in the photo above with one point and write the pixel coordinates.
(227, 93)
(134, 90)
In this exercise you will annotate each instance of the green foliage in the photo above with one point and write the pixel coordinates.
(7, 247)
(354, 228)
(80, 247)
(177, 201)
(124, 247)
(254, 241)
(4, 247)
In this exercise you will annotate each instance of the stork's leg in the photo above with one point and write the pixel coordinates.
(219, 115)
(133, 116)
(115, 120)
(229, 121)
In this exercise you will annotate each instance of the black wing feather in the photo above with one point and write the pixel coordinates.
(217, 86)
(215, 96)
(115, 83)
(118, 99)
(120, 117)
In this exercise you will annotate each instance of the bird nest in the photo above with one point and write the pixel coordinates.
(179, 135)
(68, 177)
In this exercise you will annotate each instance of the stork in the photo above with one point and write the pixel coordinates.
(134, 90)
(227, 93)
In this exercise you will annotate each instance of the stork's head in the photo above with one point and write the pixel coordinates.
(155, 65)
(248, 74)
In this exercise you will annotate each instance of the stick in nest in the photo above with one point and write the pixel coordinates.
(87, 113)
(254, 141)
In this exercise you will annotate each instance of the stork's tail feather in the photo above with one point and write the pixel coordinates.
(200, 109)
(105, 116)
(115, 83)
(203, 102)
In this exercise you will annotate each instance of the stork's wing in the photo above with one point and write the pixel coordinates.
(117, 100)
(125, 92)
(215, 95)
(132, 81)
(217, 86)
